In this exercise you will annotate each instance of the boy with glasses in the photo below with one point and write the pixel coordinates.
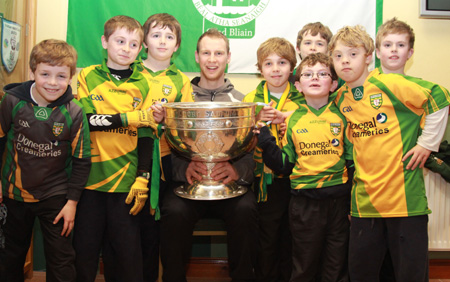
(314, 154)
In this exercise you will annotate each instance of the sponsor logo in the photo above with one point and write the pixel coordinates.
(335, 128)
(24, 123)
(166, 89)
(234, 18)
(95, 97)
(369, 128)
(100, 120)
(304, 130)
(57, 128)
(347, 109)
(318, 121)
(376, 101)
(30, 147)
(118, 91)
(318, 148)
(335, 142)
(42, 114)
(358, 93)
(381, 118)
(122, 130)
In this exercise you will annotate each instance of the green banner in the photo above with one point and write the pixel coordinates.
(247, 23)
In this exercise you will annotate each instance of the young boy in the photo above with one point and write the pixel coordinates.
(389, 205)
(394, 45)
(313, 38)
(162, 38)
(46, 162)
(113, 94)
(314, 155)
(276, 61)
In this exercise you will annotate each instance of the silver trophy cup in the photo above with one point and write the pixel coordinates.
(210, 132)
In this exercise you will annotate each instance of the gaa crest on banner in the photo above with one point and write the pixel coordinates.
(10, 44)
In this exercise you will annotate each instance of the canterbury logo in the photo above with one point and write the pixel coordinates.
(100, 120)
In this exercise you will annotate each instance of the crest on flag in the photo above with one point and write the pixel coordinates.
(10, 44)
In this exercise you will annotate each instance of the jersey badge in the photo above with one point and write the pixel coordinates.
(136, 102)
(166, 89)
(376, 101)
(358, 93)
(58, 128)
(335, 128)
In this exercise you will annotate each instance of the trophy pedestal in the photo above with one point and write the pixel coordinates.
(210, 190)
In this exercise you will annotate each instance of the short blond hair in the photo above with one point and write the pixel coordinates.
(394, 26)
(311, 60)
(118, 22)
(163, 20)
(279, 46)
(214, 33)
(314, 29)
(55, 53)
(353, 36)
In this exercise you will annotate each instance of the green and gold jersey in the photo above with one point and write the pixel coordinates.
(384, 117)
(114, 152)
(315, 141)
(289, 103)
(169, 85)
(292, 103)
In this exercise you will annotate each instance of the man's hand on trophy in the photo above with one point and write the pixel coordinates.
(138, 192)
(224, 171)
(195, 171)
(158, 112)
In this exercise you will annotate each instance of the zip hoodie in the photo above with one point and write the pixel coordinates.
(51, 154)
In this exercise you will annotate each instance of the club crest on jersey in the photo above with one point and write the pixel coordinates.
(166, 89)
(376, 101)
(335, 128)
(57, 128)
(136, 102)
(358, 93)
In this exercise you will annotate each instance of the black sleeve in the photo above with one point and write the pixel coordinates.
(245, 166)
(272, 155)
(103, 122)
(179, 167)
(79, 177)
(145, 150)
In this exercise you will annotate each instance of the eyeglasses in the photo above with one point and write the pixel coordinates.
(320, 75)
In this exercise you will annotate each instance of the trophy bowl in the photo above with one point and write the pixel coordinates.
(210, 132)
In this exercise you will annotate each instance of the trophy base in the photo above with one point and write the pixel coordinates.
(210, 190)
